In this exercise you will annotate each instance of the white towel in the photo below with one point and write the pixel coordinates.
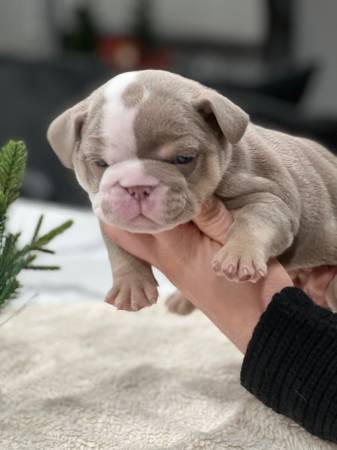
(84, 376)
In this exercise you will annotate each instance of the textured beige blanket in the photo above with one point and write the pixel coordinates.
(85, 376)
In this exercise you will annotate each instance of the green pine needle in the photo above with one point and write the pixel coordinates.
(13, 259)
(45, 250)
(46, 238)
(42, 267)
(37, 229)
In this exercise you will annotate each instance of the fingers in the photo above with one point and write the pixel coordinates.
(214, 220)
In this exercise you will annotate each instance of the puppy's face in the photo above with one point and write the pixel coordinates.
(149, 148)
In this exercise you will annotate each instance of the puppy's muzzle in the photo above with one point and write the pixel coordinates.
(141, 196)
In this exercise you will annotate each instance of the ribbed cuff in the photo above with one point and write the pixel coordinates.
(291, 362)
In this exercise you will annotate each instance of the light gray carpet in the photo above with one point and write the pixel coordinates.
(84, 376)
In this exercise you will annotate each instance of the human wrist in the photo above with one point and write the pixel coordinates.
(290, 361)
(235, 308)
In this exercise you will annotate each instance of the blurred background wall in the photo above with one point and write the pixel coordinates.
(241, 20)
(276, 58)
(316, 40)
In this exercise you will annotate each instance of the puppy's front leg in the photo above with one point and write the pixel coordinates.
(260, 231)
(134, 285)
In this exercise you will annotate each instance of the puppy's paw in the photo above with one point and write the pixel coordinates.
(178, 304)
(132, 294)
(240, 262)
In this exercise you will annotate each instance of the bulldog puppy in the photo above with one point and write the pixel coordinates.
(150, 147)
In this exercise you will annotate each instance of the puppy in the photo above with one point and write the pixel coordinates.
(150, 147)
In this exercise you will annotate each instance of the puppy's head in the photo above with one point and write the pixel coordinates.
(149, 147)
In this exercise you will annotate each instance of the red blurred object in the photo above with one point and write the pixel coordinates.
(127, 53)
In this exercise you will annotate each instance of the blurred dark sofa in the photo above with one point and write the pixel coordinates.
(34, 92)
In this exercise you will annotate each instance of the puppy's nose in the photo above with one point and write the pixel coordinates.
(139, 192)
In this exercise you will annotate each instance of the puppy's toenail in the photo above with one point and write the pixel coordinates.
(230, 269)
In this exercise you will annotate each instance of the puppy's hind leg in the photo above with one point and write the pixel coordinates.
(178, 304)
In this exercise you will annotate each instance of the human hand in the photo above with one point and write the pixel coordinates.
(319, 283)
(184, 255)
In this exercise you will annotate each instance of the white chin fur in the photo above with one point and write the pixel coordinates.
(139, 225)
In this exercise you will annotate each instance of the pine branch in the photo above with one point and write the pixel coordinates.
(13, 157)
(13, 259)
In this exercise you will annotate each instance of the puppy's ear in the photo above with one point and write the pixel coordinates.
(222, 115)
(64, 133)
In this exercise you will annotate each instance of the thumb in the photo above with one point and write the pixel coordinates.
(214, 220)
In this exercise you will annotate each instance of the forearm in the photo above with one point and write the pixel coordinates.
(291, 362)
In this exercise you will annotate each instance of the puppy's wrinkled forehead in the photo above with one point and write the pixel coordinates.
(140, 112)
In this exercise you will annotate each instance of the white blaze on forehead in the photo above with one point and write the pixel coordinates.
(118, 120)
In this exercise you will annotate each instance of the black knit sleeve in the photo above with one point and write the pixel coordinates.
(291, 362)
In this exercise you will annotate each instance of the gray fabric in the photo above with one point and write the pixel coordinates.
(84, 376)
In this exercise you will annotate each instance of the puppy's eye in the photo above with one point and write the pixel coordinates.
(101, 163)
(181, 159)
